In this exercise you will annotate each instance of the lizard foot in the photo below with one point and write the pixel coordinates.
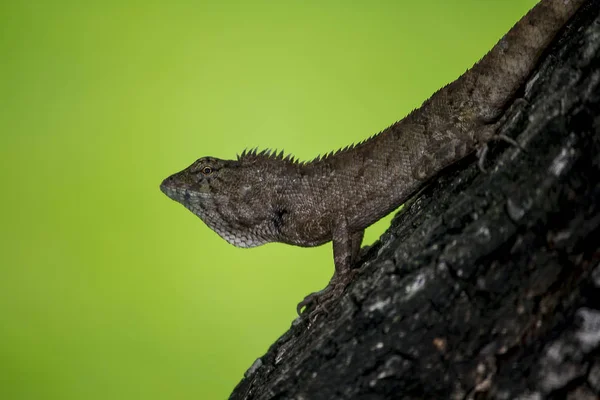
(483, 150)
(493, 132)
(320, 302)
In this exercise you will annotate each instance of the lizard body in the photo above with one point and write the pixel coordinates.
(266, 197)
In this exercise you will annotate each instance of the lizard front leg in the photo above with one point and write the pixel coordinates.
(346, 249)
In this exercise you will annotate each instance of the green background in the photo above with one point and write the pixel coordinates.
(108, 289)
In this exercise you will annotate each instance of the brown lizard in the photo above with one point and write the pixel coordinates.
(264, 196)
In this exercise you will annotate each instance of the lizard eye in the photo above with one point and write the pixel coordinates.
(207, 170)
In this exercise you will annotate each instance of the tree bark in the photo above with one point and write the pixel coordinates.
(486, 285)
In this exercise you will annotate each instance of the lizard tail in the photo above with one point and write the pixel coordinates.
(513, 58)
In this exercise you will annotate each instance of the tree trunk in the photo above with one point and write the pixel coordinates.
(487, 285)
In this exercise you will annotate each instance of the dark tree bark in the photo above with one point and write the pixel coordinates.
(487, 285)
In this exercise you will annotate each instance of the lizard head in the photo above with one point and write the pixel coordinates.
(236, 199)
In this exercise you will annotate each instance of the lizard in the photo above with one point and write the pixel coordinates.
(268, 196)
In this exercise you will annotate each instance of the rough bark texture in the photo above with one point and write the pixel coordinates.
(488, 284)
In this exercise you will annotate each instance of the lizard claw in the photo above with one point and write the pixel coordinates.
(312, 300)
(483, 150)
(320, 302)
(481, 156)
(503, 138)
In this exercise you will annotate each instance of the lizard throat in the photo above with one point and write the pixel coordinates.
(204, 207)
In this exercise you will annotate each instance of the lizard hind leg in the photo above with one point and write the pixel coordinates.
(493, 132)
(438, 155)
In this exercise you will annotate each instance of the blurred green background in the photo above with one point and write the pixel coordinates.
(108, 289)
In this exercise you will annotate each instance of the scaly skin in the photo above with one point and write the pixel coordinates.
(266, 197)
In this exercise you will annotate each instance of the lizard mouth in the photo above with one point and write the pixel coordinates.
(175, 191)
(181, 193)
(169, 189)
